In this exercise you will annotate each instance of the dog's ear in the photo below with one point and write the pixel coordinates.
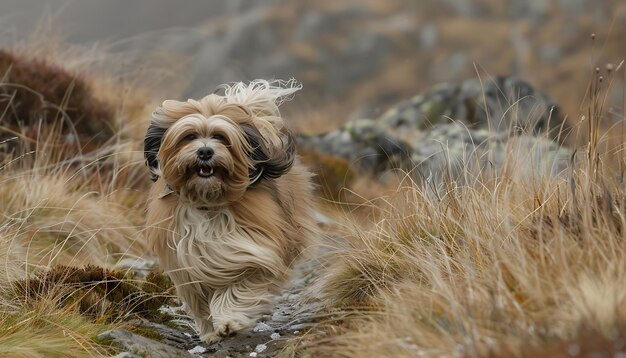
(269, 163)
(151, 146)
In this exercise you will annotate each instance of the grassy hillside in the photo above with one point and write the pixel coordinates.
(502, 262)
(507, 262)
(69, 197)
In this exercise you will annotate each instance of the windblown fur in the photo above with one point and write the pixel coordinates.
(227, 229)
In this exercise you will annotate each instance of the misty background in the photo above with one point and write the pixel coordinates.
(355, 58)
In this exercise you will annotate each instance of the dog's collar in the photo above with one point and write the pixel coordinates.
(167, 191)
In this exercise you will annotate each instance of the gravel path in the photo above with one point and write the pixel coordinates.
(293, 313)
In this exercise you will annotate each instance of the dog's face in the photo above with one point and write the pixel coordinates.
(212, 158)
(206, 159)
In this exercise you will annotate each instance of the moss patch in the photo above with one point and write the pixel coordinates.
(98, 292)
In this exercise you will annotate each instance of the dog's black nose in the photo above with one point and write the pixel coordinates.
(205, 153)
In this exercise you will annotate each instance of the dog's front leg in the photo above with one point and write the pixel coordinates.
(239, 305)
(197, 301)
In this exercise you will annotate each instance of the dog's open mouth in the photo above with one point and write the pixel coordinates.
(205, 171)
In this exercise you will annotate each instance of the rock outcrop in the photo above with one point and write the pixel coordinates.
(452, 128)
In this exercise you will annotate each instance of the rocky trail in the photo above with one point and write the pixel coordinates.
(294, 311)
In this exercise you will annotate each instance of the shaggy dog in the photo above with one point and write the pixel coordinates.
(232, 206)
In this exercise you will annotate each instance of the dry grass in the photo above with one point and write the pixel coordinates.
(45, 331)
(55, 224)
(64, 205)
(506, 262)
(70, 205)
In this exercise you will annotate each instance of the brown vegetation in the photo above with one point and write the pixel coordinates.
(37, 97)
(97, 292)
(507, 263)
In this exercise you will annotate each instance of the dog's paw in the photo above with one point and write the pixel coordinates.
(229, 328)
(211, 338)
(221, 331)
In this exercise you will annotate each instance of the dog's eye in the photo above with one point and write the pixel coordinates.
(219, 137)
(190, 137)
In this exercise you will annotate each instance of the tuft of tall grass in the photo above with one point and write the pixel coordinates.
(520, 260)
(69, 202)
(47, 331)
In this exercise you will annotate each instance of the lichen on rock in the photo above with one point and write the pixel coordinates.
(453, 129)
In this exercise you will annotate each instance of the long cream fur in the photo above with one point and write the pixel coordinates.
(228, 254)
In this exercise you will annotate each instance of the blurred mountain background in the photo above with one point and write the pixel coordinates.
(355, 58)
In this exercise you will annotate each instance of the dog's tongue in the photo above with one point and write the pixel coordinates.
(206, 170)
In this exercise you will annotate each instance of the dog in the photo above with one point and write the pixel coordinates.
(232, 205)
